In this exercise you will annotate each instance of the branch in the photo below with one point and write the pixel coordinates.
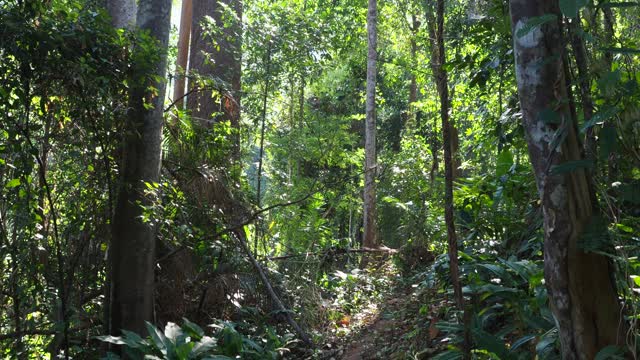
(256, 214)
(337, 252)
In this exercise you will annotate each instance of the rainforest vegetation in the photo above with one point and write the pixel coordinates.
(319, 179)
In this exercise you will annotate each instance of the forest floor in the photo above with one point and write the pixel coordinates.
(401, 326)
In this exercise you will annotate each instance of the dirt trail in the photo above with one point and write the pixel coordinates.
(391, 334)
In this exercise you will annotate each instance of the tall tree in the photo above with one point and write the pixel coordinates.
(582, 292)
(438, 59)
(133, 246)
(370, 166)
(216, 54)
(184, 36)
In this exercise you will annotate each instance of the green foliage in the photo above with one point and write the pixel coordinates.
(190, 342)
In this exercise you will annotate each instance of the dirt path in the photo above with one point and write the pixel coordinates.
(391, 334)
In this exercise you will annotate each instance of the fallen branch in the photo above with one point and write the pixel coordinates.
(240, 236)
(385, 250)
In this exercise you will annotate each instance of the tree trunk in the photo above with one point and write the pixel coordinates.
(217, 56)
(133, 246)
(123, 13)
(438, 58)
(584, 80)
(183, 53)
(413, 86)
(370, 166)
(582, 294)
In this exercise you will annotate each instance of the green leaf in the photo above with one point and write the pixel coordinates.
(504, 163)
(193, 329)
(610, 352)
(621, 50)
(599, 117)
(12, 183)
(571, 166)
(448, 355)
(523, 340)
(621, 4)
(110, 356)
(158, 337)
(535, 22)
(205, 344)
(545, 345)
(570, 8)
(608, 142)
(491, 343)
(116, 340)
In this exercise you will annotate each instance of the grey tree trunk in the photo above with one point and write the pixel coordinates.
(123, 13)
(184, 36)
(582, 294)
(216, 54)
(370, 167)
(133, 246)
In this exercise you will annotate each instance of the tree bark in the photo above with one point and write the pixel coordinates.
(370, 166)
(216, 54)
(582, 294)
(123, 13)
(133, 246)
(183, 53)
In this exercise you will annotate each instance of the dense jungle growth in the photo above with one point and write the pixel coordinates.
(319, 179)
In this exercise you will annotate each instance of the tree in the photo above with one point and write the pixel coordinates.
(582, 292)
(370, 166)
(133, 245)
(215, 55)
(183, 52)
(438, 59)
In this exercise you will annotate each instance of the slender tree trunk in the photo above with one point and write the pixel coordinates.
(123, 13)
(183, 53)
(217, 56)
(265, 97)
(133, 246)
(438, 58)
(609, 126)
(582, 294)
(413, 86)
(370, 166)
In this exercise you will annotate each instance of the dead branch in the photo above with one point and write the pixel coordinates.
(384, 250)
(241, 237)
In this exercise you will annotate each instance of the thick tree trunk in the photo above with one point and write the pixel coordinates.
(183, 53)
(133, 247)
(217, 56)
(582, 294)
(370, 166)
